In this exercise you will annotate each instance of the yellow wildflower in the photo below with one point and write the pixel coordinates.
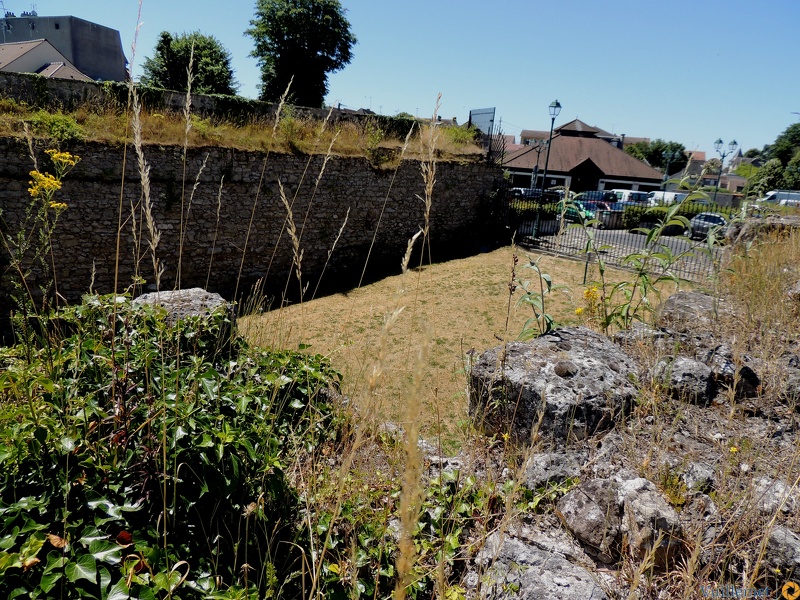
(58, 205)
(62, 159)
(591, 294)
(43, 185)
(579, 311)
(733, 449)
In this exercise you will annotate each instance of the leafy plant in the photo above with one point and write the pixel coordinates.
(57, 126)
(145, 457)
(535, 293)
(461, 136)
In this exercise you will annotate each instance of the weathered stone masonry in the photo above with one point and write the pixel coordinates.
(86, 237)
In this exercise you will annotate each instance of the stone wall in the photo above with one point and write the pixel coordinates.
(382, 203)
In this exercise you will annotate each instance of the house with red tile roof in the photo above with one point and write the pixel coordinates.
(582, 158)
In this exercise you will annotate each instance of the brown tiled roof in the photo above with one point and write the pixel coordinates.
(696, 155)
(578, 126)
(568, 151)
(61, 70)
(13, 50)
(533, 134)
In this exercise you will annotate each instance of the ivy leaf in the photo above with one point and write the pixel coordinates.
(119, 592)
(49, 581)
(105, 551)
(84, 568)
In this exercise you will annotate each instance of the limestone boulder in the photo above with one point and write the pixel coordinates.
(551, 468)
(180, 304)
(575, 379)
(514, 569)
(606, 515)
(649, 522)
(591, 512)
(686, 379)
(783, 551)
(693, 312)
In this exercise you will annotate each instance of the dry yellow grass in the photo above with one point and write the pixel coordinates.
(450, 308)
(109, 125)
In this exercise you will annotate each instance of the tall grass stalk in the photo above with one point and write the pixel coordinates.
(257, 196)
(216, 230)
(187, 127)
(430, 140)
(330, 252)
(383, 206)
(293, 232)
(297, 251)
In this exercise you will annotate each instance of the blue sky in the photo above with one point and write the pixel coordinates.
(684, 70)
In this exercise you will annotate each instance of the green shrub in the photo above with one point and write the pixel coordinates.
(57, 126)
(139, 457)
(460, 136)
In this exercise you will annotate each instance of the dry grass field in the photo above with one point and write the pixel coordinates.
(448, 310)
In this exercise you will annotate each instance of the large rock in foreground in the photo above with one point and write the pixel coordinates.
(515, 569)
(179, 304)
(577, 378)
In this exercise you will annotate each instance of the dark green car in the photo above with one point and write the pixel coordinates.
(575, 212)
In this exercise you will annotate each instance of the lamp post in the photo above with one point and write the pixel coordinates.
(538, 148)
(669, 157)
(718, 147)
(554, 109)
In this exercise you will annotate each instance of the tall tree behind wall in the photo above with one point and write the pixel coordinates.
(301, 39)
(211, 64)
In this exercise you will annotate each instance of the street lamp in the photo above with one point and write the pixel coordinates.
(670, 157)
(554, 109)
(718, 147)
(538, 147)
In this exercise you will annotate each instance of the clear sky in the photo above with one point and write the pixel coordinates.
(689, 71)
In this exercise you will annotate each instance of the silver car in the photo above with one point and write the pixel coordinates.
(702, 224)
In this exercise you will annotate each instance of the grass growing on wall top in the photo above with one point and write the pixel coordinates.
(293, 134)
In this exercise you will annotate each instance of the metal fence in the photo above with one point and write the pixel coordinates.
(675, 253)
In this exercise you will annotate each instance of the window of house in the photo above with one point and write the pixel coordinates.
(58, 26)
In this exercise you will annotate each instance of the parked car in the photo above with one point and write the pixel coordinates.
(630, 196)
(701, 225)
(535, 194)
(665, 198)
(596, 205)
(782, 197)
(575, 211)
(597, 196)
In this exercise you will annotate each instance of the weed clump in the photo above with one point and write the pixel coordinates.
(140, 456)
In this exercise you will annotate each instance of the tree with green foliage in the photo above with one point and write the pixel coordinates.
(211, 64)
(659, 153)
(791, 174)
(769, 177)
(786, 145)
(299, 41)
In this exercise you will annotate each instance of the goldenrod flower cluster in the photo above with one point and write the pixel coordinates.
(591, 295)
(591, 299)
(43, 185)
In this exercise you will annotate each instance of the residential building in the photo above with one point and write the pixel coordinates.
(92, 49)
(583, 158)
(38, 56)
